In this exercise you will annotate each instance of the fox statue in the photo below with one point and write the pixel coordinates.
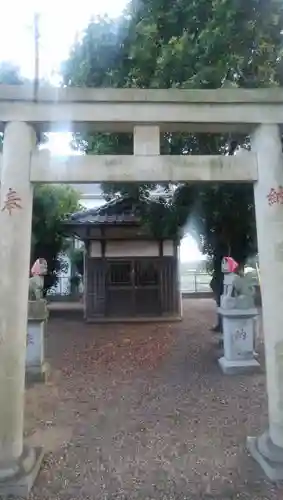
(36, 282)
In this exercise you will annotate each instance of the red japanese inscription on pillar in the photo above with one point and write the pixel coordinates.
(12, 201)
(29, 339)
(275, 196)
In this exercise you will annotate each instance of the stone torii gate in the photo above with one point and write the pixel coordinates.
(146, 113)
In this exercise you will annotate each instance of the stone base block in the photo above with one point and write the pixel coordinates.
(37, 310)
(35, 364)
(271, 462)
(20, 484)
(37, 373)
(236, 367)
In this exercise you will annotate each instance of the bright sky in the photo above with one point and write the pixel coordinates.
(60, 21)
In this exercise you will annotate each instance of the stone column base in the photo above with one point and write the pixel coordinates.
(18, 480)
(268, 456)
(235, 367)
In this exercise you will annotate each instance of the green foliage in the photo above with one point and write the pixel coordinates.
(75, 282)
(166, 216)
(95, 58)
(10, 74)
(186, 44)
(202, 42)
(76, 256)
(51, 204)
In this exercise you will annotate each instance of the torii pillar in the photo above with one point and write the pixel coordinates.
(268, 191)
(19, 464)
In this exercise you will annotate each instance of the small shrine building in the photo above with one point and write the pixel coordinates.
(128, 274)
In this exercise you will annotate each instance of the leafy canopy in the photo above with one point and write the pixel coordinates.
(186, 44)
(51, 204)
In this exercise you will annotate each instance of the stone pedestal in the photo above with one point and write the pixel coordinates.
(36, 367)
(239, 339)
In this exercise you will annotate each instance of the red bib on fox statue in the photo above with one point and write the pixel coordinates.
(229, 265)
(229, 268)
(36, 282)
(39, 268)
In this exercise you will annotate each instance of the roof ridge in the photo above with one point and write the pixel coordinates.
(100, 215)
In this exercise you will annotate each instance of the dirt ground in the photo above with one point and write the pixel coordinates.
(143, 412)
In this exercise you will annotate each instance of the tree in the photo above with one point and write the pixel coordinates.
(10, 74)
(76, 256)
(201, 43)
(195, 44)
(96, 58)
(51, 204)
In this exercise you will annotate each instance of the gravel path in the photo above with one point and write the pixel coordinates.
(143, 412)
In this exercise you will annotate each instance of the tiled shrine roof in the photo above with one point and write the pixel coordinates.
(117, 211)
